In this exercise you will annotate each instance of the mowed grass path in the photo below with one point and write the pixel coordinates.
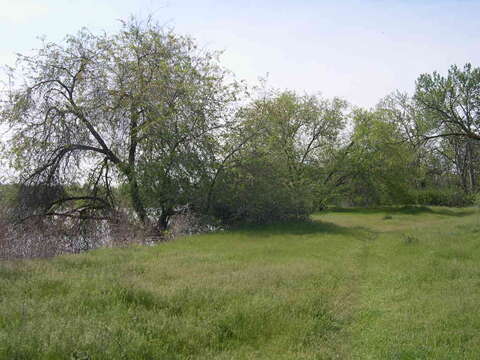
(351, 284)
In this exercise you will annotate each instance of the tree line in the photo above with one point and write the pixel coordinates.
(144, 120)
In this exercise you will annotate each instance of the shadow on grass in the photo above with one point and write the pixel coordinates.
(405, 210)
(307, 227)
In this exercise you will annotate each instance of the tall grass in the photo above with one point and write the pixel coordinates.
(345, 285)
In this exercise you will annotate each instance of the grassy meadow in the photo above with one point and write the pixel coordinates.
(393, 283)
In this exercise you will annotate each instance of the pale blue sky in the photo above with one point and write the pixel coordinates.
(359, 50)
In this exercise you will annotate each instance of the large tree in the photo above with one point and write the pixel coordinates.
(141, 107)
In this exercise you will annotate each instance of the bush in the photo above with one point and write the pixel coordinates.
(256, 193)
(443, 197)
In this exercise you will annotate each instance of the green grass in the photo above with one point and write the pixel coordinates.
(392, 283)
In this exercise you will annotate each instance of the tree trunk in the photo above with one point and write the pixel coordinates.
(164, 218)
(131, 170)
(137, 202)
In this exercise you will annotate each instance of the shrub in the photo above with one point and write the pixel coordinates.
(257, 193)
(443, 197)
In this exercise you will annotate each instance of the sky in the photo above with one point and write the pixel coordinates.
(360, 50)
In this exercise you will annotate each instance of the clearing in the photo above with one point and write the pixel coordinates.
(393, 283)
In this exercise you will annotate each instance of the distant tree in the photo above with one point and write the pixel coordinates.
(281, 171)
(461, 157)
(379, 164)
(142, 107)
(450, 108)
(451, 104)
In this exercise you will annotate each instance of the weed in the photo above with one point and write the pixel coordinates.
(409, 239)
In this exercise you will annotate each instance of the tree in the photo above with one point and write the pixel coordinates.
(280, 172)
(451, 104)
(143, 107)
(379, 165)
(451, 118)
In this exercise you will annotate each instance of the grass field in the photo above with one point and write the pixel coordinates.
(351, 284)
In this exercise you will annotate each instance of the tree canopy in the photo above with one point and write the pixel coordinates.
(111, 109)
(145, 120)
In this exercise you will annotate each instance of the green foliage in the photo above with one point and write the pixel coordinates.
(8, 195)
(451, 104)
(379, 162)
(279, 173)
(255, 191)
(443, 197)
(143, 119)
(142, 108)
